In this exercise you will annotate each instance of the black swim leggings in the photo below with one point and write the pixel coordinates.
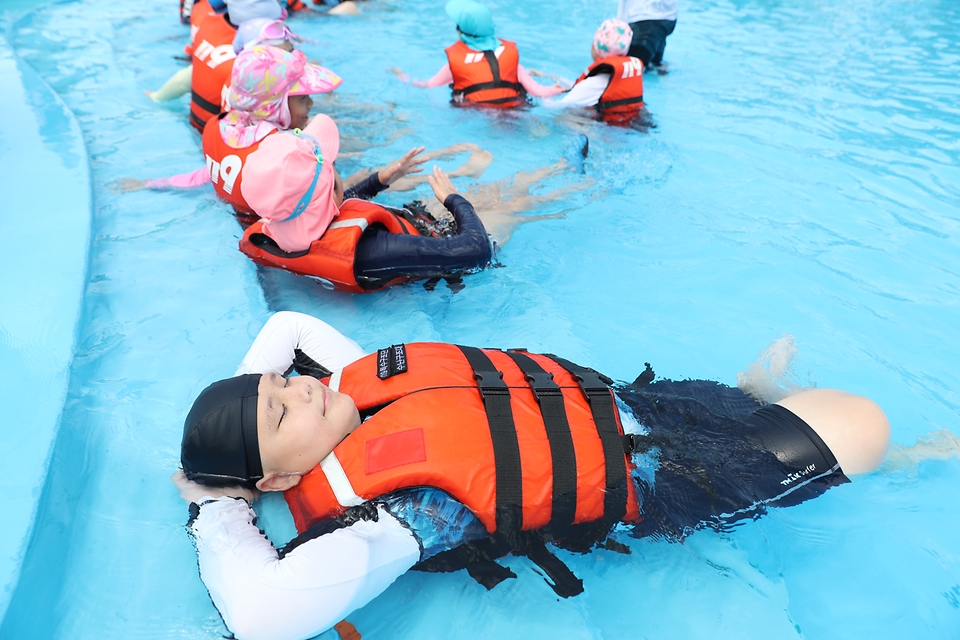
(382, 255)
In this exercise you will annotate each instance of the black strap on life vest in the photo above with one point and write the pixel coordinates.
(595, 387)
(610, 104)
(496, 83)
(203, 103)
(503, 433)
(550, 398)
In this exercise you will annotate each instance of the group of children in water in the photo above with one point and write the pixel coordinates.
(432, 456)
(251, 91)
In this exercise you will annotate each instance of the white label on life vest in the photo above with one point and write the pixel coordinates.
(473, 57)
(498, 51)
(214, 56)
(214, 168)
(227, 170)
(631, 68)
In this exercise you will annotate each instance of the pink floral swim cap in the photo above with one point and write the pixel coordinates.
(613, 38)
(263, 78)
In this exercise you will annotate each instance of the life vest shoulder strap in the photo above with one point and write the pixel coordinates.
(458, 51)
(626, 79)
(596, 389)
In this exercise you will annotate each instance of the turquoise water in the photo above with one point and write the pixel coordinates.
(802, 178)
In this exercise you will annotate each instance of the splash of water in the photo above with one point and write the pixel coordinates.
(770, 378)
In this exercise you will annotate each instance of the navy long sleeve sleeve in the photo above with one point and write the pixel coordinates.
(382, 255)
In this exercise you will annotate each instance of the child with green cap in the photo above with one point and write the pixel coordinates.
(481, 68)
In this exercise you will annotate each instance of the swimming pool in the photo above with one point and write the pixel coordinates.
(802, 178)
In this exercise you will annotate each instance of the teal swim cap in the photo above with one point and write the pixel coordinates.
(475, 24)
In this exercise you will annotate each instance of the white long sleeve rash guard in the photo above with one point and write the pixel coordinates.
(259, 595)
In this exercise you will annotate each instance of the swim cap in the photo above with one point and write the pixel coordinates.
(475, 24)
(220, 447)
(242, 10)
(262, 31)
(613, 38)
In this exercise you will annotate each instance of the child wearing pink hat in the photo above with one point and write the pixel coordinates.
(613, 84)
(292, 183)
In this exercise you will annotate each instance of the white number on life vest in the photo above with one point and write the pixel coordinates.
(227, 170)
(214, 56)
(634, 67)
(477, 57)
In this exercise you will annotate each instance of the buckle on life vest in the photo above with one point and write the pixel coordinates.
(491, 383)
(542, 385)
(630, 442)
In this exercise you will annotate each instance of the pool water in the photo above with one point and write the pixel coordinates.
(802, 178)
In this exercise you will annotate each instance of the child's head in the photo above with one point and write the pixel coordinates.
(611, 39)
(292, 184)
(474, 23)
(241, 11)
(272, 85)
(264, 31)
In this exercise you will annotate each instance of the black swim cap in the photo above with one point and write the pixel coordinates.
(220, 446)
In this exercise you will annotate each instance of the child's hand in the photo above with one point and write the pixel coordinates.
(442, 187)
(409, 163)
(192, 492)
(126, 185)
(401, 76)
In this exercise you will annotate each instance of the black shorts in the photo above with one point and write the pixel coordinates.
(721, 458)
(650, 39)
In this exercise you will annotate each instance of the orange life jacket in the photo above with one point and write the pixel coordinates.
(194, 14)
(486, 77)
(623, 97)
(331, 258)
(226, 165)
(192, 10)
(213, 58)
(517, 438)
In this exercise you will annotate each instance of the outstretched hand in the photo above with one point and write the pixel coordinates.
(192, 492)
(126, 185)
(442, 187)
(409, 163)
(401, 76)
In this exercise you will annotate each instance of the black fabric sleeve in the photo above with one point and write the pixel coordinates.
(366, 188)
(382, 255)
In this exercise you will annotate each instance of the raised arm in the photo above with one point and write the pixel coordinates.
(317, 584)
(290, 339)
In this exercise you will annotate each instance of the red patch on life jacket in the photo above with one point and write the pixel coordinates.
(395, 450)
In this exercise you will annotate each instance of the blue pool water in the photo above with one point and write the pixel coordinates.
(802, 178)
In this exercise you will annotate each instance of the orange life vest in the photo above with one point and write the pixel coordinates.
(331, 258)
(192, 10)
(225, 165)
(195, 14)
(517, 438)
(213, 58)
(623, 97)
(486, 77)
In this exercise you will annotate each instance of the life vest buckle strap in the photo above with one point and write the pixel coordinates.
(491, 383)
(631, 443)
(542, 385)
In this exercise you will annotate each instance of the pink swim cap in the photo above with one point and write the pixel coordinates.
(613, 38)
(278, 178)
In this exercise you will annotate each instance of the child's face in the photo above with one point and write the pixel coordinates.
(299, 111)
